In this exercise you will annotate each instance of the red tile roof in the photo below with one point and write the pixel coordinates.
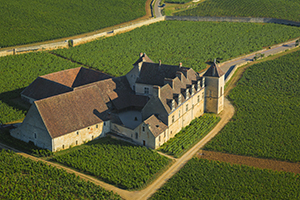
(156, 126)
(71, 111)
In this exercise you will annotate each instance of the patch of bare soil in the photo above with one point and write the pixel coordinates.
(250, 161)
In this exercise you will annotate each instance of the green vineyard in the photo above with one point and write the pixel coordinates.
(280, 9)
(29, 21)
(266, 122)
(190, 135)
(115, 162)
(22, 178)
(204, 179)
(172, 42)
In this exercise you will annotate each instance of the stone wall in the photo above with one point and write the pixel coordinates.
(233, 19)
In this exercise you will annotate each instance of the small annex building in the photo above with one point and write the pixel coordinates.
(149, 105)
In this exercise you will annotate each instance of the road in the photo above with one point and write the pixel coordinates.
(249, 58)
(157, 9)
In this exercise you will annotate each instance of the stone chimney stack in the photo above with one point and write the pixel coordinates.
(180, 64)
(159, 64)
(156, 91)
(141, 54)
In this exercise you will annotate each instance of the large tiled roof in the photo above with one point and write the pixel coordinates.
(42, 88)
(71, 111)
(214, 71)
(156, 126)
(118, 91)
(61, 82)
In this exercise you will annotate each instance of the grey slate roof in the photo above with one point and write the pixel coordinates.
(214, 71)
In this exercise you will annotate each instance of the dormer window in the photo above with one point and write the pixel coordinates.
(179, 99)
(173, 104)
(146, 90)
(187, 93)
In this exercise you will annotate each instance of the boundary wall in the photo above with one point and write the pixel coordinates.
(234, 19)
(82, 40)
(75, 42)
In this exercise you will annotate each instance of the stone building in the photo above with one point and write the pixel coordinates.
(149, 105)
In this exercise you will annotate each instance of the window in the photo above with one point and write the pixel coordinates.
(159, 138)
(92, 137)
(63, 146)
(131, 135)
(147, 135)
(34, 135)
(97, 126)
(164, 134)
(77, 132)
(143, 128)
(133, 87)
(76, 142)
(173, 119)
(179, 114)
(187, 107)
(146, 90)
(198, 98)
(202, 95)
(136, 135)
(179, 99)
(104, 123)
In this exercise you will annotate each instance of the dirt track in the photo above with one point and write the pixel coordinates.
(251, 161)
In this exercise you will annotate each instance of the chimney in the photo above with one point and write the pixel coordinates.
(169, 81)
(156, 91)
(203, 81)
(180, 64)
(141, 54)
(173, 104)
(179, 99)
(159, 64)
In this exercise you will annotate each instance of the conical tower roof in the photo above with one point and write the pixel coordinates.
(214, 71)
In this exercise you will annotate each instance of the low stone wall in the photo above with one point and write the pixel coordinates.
(116, 31)
(233, 19)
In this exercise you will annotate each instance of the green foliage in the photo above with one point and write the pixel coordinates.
(115, 162)
(17, 72)
(189, 135)
(29, 21)
(280, 9)
(204, 179)
(192, 43)
(266, 123)
(22, 178)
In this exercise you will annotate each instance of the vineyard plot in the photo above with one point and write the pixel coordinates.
(280, 9)
(29, 21)
(172, 42)
(206, 179)
(115, 162)
(266, 122)
(22, 178)
(190, 135)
